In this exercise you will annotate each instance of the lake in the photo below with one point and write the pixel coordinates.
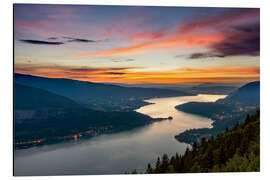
(120, 152)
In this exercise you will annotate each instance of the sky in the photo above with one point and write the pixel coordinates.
(137, 44)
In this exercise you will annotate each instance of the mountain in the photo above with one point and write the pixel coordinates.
(33, 98)
(249, 94)
(214, 88)
(203, 108)
(97, 95)
(42, 117)
(224, 112)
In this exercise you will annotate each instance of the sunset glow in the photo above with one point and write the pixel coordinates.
(121, 44)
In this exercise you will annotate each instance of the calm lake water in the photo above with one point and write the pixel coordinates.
(117, 153)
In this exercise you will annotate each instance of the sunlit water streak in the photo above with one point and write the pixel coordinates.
(117, 153)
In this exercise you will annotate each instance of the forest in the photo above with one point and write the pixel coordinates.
(235, 150)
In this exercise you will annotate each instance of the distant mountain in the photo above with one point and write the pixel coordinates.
(249, 94)
(214, 88)
(225, 112)
(97, 95)
(44, 117)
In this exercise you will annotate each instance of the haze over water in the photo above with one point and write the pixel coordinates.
(117, 153)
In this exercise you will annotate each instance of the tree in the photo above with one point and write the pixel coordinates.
(165, 163)
(235, 150)
(171, 169)
(157, 170)
(149, 169)
(195, 168)
(195, 146)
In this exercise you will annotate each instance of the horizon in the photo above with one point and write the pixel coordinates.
(149, 85)
(137, 45)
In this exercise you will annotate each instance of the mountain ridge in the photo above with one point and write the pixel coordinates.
(224, 112)
(97, 95)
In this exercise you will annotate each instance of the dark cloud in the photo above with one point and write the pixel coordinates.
(200, 22)
(75, 71)
(52, 38)
(39, 42)
(80, 77)
(180, 56)
(122, 60)
(128, 60)
(241, 41)
(204, 55)
(115, 73)
(89, 69)
(115, 60)
(244, 41)
(54, 42)
(70, 39)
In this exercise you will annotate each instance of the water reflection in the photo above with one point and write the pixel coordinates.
(116, 153)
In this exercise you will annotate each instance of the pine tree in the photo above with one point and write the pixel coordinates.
(157, 170)
(165, 163)
(149, 169)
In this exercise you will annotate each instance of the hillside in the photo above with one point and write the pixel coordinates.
(41, 117)
(236, 150)
(225, 112)
(97, 95)
(214, 88)
(33, 98)
(203, 108)
(248, 94)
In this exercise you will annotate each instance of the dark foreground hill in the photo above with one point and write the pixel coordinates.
(225, 112)
(42, 117)
(236, 150)
(97, 95)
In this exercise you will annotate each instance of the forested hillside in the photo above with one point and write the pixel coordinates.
(224, 112)
(97, 96)
(236, 150)
(42, 117)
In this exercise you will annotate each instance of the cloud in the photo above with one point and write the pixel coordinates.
(220, 21)
(67, 71)
(243, 40)
(128, 75)
(255, 70)
(203, 55)
(70, 39)
(39, 42)
(91, 69)
(115, 73)
(122, 60)
(148, 36)
(52, 38)
(207, 31)
(128, 60)
(54, 42)
(171, 43)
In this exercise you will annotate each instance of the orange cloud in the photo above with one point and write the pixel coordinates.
(221, 70)
(172, 43)
(128, 75)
